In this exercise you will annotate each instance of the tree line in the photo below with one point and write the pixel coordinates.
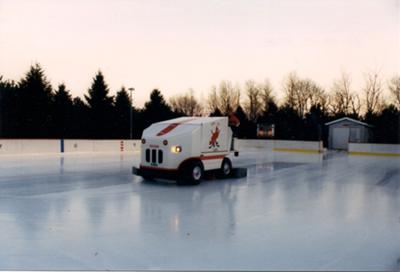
(31, 108)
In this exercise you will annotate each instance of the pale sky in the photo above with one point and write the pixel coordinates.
(177, 45)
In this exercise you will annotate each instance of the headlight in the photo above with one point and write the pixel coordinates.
(176, 149)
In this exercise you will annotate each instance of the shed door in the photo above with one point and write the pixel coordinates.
(340, 138)
(355, 135)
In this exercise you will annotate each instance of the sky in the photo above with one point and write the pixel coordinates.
(176, 45)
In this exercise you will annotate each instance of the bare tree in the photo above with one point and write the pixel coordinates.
(212, 101)
(186, 103)
(253, 103)
(394, 87)
(225, 98)
(356, 105)
(236, 96)
(317, 96)
(302, 94)
(372, 92)
(342, 100)
(291, 90)
(228, 97)
(266, 94)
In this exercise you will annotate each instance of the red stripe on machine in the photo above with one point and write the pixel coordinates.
(216, 157)
(167, 129)
(171, 127)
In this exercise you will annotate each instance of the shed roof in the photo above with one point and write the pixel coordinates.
(347, 119)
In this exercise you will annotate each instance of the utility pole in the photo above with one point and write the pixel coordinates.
(130, 115)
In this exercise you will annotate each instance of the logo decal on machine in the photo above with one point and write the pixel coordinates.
(213, 143)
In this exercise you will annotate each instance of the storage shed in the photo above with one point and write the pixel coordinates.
(347, 130)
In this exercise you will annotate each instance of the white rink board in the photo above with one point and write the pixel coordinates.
(10, 146)
(278, 144)
(101, 145)
(253, 144)
(78, 146)
(132, 145)
(375, 148)
(306, 145)
(15, 146)
(28, 146)
(40, 146)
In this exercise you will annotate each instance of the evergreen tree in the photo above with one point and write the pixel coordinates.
(62, 112)
(34, 115)
(386, 125)
(289, 125)
(216, 113)
(156, 109)
(314, 123)
(240, 114)
(122, 114)
(79, 119)
(138, 124)
(268, 116)
(246, 129)
(100, 108)
(8, 102)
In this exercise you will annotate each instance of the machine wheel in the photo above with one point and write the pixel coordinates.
(226, 168)
(191, 173)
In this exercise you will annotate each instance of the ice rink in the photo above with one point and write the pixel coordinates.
(292, 211)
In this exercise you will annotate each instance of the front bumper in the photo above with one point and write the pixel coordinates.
(149, 173)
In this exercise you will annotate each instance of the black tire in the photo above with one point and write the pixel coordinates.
(191, 173)
(226, 168)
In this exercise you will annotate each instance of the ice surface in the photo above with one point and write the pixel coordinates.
(292, 211)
